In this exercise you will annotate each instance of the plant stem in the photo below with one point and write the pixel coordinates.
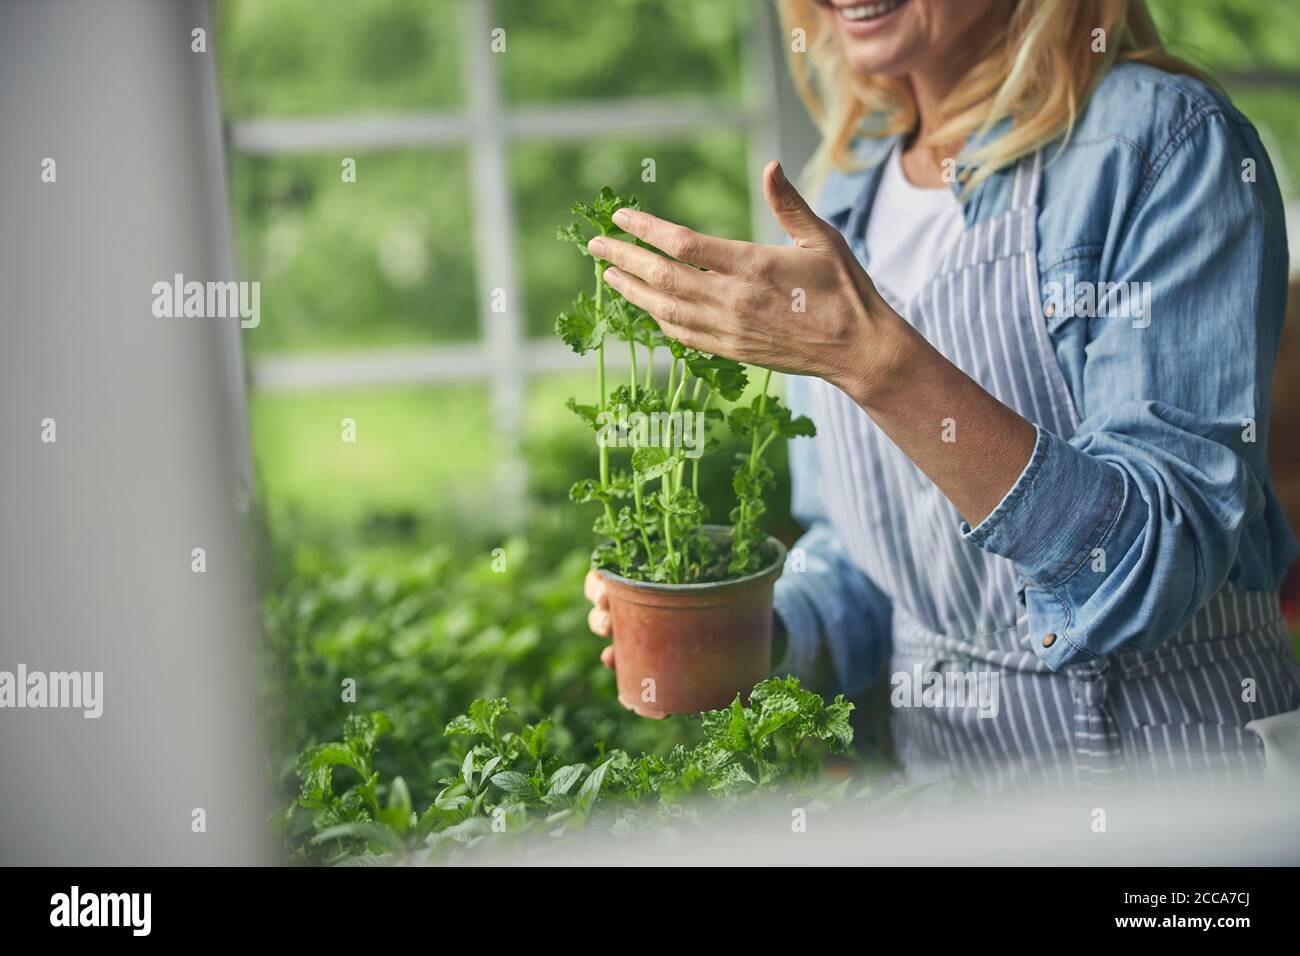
(649, 367)
(640, 521)
(666, 483)
(680, 470)
(762, 409)
(631, 351)
(695, 462)
(755, 448)
(600, 349)
(677, 395)
(600, 397)
(600, 402)
(667, 479)
(672, 407)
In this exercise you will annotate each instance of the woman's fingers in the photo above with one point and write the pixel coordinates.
(684, 245)
(796, 217)
(598, 617)
(637, 291)
(655, 270)
(593, 588)
(687, 322)
(599, 622)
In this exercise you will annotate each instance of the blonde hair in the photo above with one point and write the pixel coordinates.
(1039, 73)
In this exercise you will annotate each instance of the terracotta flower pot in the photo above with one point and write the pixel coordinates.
(684, 648)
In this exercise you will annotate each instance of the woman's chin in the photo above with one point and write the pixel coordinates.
(893, 53)
(889, 49)
(869, 59)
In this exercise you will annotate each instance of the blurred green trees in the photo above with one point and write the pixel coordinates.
(320, 57)
(1231, 35)
(385, 260)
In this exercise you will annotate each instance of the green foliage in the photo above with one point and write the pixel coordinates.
(728, 379)
(662, 536)
(424, 634)
(508, 781)
(765, 420)
(294, 57)
(600, 214)
(585, 326)
(1230, 34)
(457, 665)
(425, 455)
(578, 50)
(348, 264)
(358, 803)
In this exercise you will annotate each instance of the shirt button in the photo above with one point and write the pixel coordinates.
(1049, 640)
(1050, 310)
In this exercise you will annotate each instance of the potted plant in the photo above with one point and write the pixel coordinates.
(690, 602)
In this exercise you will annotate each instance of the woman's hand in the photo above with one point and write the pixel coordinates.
(810, 309)
(807, 309)
(598, 618)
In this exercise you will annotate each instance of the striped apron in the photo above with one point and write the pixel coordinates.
(1161, 716)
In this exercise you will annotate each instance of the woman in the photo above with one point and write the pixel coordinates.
(1044, 295)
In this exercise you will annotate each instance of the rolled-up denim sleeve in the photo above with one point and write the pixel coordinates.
(830, 610)
(1125, 530)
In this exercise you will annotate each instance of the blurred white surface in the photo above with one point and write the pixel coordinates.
(1224, 828)
(97, 528)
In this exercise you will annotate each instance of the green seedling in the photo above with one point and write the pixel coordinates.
(651, 517)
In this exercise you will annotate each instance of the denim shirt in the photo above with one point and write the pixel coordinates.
(1163, 187)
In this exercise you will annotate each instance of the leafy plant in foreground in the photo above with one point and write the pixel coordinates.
(507, 780)
(660, 535)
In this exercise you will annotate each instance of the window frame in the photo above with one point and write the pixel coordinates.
(504, 356)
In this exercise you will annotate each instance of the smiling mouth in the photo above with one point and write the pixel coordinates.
(865, 12)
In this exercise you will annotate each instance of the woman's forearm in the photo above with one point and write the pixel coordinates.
(967, 442)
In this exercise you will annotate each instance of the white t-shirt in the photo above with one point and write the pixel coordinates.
(909, 230)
